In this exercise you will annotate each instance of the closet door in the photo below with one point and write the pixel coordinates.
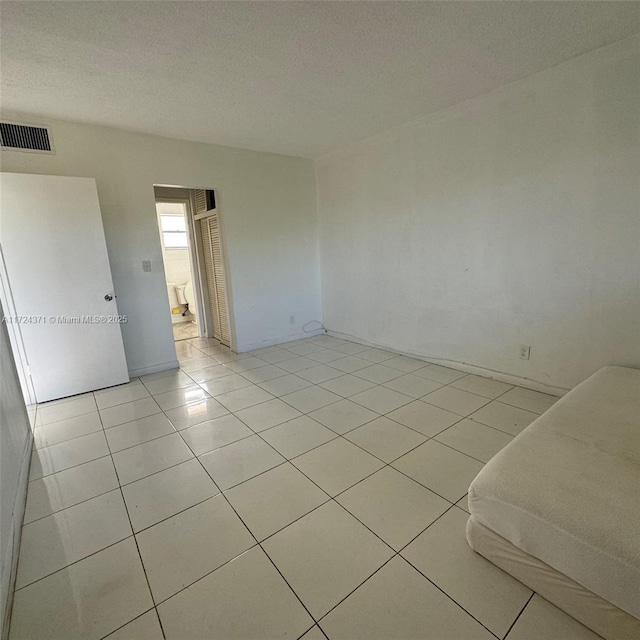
(216, 285)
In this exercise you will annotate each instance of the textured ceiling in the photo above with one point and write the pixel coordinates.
(299, 78)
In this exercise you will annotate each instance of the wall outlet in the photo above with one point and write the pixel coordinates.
(146, 266)
(525, 351)
(292, 319)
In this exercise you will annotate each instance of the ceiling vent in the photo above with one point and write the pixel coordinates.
(23, 137)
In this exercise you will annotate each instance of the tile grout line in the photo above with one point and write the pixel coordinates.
(126, 508)
(496, 428)
(48, 424)
(71, 564)
(206, 575)
(72, 466)
(444, 444)
(144, 613)
(526, 604)
(75, 504)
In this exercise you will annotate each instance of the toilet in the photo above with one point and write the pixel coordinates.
(184, 294)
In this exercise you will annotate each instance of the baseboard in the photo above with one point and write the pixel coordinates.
(19, 505)
(282, 340)
(164, 366)
(501, 376)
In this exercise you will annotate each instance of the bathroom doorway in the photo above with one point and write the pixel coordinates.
(173, 213)
(191, 236)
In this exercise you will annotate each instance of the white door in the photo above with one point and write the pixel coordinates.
(58, 272)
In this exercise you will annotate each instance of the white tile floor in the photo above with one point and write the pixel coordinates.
(312, 490)
(185, 330)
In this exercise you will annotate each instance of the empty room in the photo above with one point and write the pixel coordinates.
(320, 320)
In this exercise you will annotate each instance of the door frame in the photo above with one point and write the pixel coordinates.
(202, 294)
(15, 336)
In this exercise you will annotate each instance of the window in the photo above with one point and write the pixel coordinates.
(174, 231)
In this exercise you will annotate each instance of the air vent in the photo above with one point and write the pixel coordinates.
(22, 137)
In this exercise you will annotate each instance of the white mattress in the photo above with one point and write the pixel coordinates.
(594, 612)
(567, 489)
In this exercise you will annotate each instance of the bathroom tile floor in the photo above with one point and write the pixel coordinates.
(315, 489)
(185, 330)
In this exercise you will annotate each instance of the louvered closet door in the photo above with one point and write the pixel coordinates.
(201, 200)
(214, 268)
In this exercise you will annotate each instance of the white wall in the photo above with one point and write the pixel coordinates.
(15, 452)
(268, 212)
(513, 218)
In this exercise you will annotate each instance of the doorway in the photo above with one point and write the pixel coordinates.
(192, 250)
(174, 238)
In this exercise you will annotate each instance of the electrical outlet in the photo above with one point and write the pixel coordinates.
(292, 319)
(525, 351)
(146, 266)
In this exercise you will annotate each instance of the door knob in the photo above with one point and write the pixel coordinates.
(108, 297)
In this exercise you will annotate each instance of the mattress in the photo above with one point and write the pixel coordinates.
(583, 605)
(567, 489)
